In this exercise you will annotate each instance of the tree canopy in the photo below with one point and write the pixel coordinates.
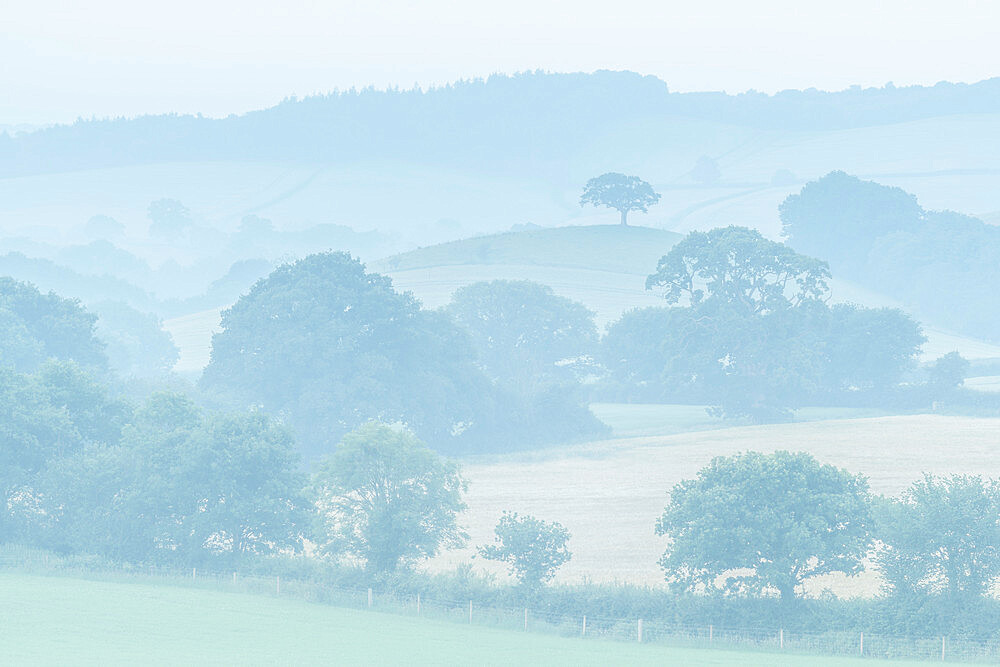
(384, 497)
(533, 549)
(332, 346)
(620, 192)
(942, 537)
(764, 522)
(740, 267)
(521, 330)
(36, 326)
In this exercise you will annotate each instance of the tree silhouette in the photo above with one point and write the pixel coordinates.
(620, 192)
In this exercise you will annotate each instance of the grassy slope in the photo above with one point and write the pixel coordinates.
(70, 621)
(609, 494)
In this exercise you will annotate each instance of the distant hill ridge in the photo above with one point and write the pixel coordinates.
(526, 121)
(620, 249)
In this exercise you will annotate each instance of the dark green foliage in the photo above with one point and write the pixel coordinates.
(535, 347)
(870, 348)
(764, 522)
(752, 333)
(44, 419)
(521, 331)
(943, 263)
(332, 346)
(385, 498)
(136, 342)
(742, 269)
(181, 487)
(35, 327)
(840, 215)
(620, 192)
(949, 371)
(533, 549)
(942, 537)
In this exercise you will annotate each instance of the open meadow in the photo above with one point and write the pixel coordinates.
(62, 620)
(609, 494)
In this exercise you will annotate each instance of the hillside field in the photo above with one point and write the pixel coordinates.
(59, 620)
(609, 494)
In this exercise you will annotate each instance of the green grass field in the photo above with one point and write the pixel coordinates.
(60, 621)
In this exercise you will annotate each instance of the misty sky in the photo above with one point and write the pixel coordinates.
(60, 60)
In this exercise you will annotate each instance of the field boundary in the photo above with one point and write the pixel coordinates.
(524, 618)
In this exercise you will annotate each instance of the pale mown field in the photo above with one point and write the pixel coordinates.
(609, 494)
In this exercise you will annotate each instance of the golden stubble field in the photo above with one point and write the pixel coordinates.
(610, 493)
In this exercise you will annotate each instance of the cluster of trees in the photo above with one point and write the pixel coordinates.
(752, 524)
(750, 331)
(943, 263)
(331, 346)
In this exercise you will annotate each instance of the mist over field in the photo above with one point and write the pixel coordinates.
(647, 370)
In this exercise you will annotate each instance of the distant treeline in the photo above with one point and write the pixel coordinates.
(523, 122)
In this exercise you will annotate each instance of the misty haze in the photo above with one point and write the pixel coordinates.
(543, 359)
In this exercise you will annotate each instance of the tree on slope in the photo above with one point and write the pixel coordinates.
(620, 192)
(764, 522)
(384, 497)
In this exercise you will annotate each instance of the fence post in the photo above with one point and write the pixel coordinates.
(862, 649)
(640, 631)
(277, 585)
(942, 648)
(525, 619)
(194, 573)
(710, 632)
(234, 578)
(418, 604)
(584, 633)
(781, 638)
(470, 612)
(369, 598)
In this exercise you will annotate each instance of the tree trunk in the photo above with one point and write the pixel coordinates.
(624, 212)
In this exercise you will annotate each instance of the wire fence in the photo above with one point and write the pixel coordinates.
(526, 619)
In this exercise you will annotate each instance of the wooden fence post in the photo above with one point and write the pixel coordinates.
(194, 573)
(584, 633)
(418, 604)
(525, 619)
(942, 648)
(861, 650)
(640, 631)
(710, 632)
(781, 638)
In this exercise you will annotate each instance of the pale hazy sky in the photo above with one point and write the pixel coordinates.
(60, 60)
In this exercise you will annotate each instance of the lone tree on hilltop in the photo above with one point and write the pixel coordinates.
(620, 192)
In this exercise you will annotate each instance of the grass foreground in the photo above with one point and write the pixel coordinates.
(61, 620)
